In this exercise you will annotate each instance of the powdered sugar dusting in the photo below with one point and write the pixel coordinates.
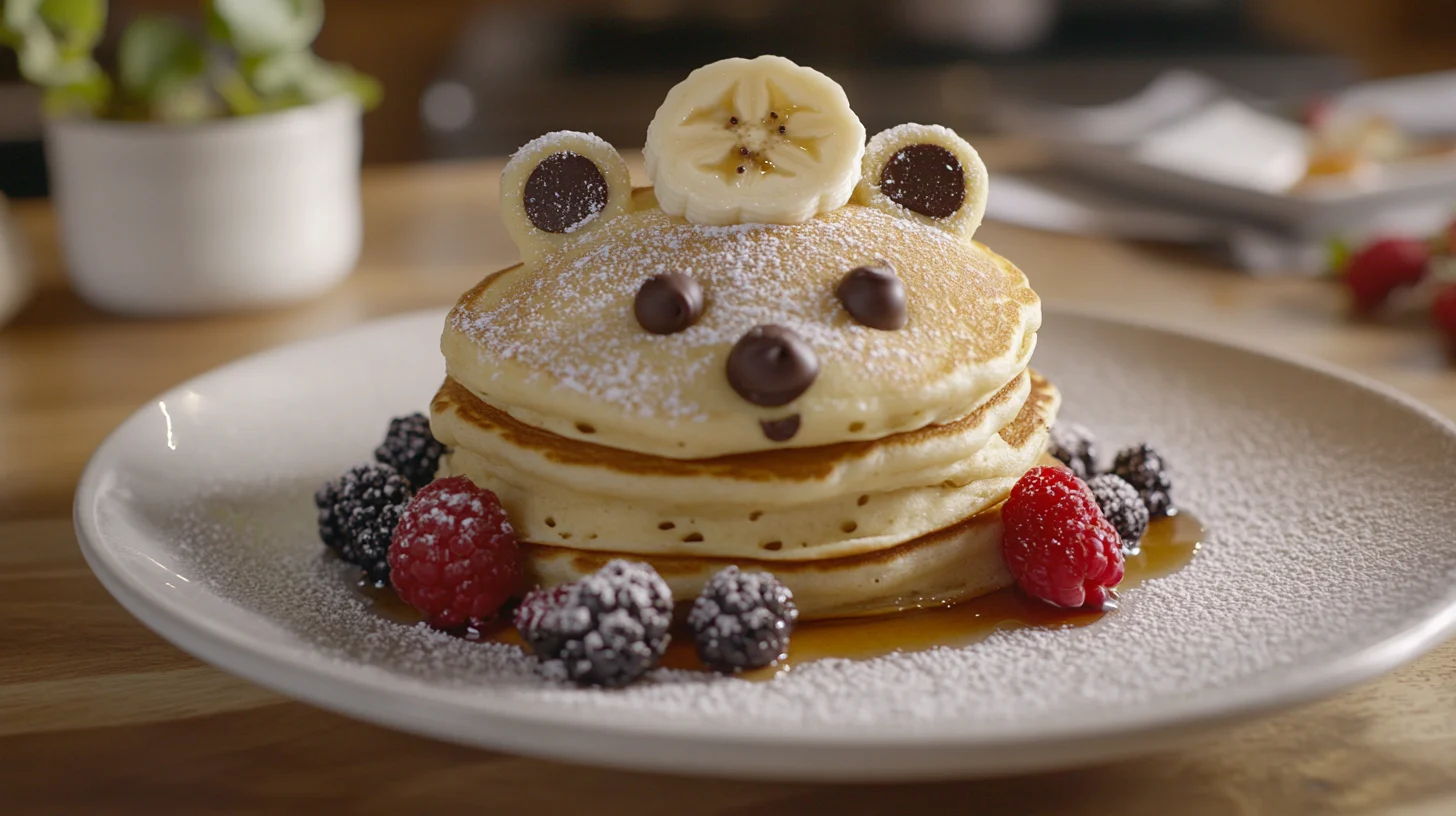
(572, 322)
(559, 141)
(1329, 510)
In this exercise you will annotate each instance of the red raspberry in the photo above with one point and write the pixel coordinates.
(454, 555)
(1057, 544)
(1443, 309)
(1317, 112)
(1380, 268)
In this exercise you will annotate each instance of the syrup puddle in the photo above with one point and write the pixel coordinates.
(1168, 546)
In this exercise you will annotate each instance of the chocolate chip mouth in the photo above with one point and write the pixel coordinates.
(780, 430)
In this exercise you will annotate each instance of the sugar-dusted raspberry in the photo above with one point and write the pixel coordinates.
(454, 555)
(1056, 543)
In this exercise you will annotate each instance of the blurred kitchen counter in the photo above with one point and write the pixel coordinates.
(97, 714)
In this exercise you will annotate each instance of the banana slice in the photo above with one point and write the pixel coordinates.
(926, 173)
(559, 186)
(754, 141)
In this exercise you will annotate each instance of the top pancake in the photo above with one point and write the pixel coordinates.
(555, 343)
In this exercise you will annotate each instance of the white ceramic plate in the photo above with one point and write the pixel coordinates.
(1330, 560)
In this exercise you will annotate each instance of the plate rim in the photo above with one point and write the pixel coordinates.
(940, 750)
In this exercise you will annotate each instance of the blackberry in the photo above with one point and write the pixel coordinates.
(606, 629)
(1122, 507)
(357, 514)
(1075, 446)
(1144, 468)
(411, 449)
(534, 611)
(742, 620)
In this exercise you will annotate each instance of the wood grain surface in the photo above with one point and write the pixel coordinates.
(98, 715)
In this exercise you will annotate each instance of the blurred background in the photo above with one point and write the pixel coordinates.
(473, 77)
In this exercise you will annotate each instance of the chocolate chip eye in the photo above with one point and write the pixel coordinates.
(668, 303)
(874, 297)
(925, 178)
(564, 191)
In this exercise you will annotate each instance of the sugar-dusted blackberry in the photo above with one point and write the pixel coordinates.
(532, 617)
(411, 449)
(1145, 469)
(1122, 507)
(742, 620)
(357, 514)
(606, 629)
(1074, 445)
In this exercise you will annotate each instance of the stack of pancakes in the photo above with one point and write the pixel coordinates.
(604, 440)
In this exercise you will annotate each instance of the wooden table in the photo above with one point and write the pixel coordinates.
(97, 714)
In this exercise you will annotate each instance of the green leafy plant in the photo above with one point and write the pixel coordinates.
(253, 56)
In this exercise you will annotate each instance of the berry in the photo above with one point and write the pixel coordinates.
(454, 555)
(1122, 507)
(1443, 310)
(411, 449)
(1076, 447)
(1144, 469)
(606, 629)
(1316, 113)
(532, 614)
(1380, 268)
(1056, 543)
(357, 515)
(742, 620)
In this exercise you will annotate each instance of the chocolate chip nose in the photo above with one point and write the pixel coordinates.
(771, 365)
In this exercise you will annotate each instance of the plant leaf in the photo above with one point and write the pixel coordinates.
(257, 27)
(53, 40)
(364, 88)
(186, 102)
(19, 16)
(157, 56)
(236, 92)
(78, 24)
(88, 95)
(301, 75)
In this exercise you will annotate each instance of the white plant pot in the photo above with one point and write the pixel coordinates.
(163, 219)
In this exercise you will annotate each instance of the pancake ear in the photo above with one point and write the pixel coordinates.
(925, 173)
(559, 186)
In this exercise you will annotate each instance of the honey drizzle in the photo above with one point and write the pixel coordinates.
(1168, 546)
